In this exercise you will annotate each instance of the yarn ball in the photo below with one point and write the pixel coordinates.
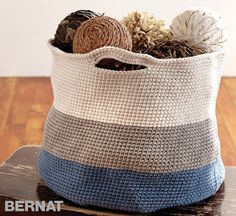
(64, 36)
(174, 49)
(200, 28)
(99, 32)
(146, 30)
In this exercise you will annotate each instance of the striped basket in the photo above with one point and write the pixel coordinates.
(133, 140)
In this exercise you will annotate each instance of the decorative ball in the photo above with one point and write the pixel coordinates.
(64, 36)
(201, 28)
(146, 30)
(99, 32)
(174, 49)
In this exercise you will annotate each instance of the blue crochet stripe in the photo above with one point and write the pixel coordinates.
(128, 190)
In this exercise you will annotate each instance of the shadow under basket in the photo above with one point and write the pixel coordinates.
(138, 140)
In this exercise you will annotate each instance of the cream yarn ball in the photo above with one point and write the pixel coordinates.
(201, 28)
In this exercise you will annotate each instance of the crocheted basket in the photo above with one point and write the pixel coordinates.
(133, 140)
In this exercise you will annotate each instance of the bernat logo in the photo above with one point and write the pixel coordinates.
(29, 205)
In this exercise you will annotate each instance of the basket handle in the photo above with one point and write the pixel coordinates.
(121, 55)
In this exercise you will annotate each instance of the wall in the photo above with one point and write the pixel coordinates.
(26, 25)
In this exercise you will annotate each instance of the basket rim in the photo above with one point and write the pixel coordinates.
(146, 56)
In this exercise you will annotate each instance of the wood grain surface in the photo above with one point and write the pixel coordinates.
(25, 102)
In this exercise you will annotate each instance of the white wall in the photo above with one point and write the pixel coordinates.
(26, 25)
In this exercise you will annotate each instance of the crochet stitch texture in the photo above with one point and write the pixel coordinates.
(133, 140)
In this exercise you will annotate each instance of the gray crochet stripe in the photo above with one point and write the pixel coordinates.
(143, 149)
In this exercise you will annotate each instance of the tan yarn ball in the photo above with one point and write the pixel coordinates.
(99, 32)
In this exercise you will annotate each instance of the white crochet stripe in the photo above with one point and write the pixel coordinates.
(167, 93)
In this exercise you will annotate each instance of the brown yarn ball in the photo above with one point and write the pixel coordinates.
(99, 32)
(63, 39)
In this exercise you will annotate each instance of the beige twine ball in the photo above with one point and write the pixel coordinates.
(99, 32)
(201, 28)
(146, 30)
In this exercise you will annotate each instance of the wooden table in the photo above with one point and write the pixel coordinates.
(19, 180)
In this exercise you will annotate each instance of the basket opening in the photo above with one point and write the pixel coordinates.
(113, 64)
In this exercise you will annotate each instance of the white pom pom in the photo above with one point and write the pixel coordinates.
(201, 28)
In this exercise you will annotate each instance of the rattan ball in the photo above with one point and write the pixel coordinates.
(174, 49)
(201, 28)
(99, 32)
(64, 36)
